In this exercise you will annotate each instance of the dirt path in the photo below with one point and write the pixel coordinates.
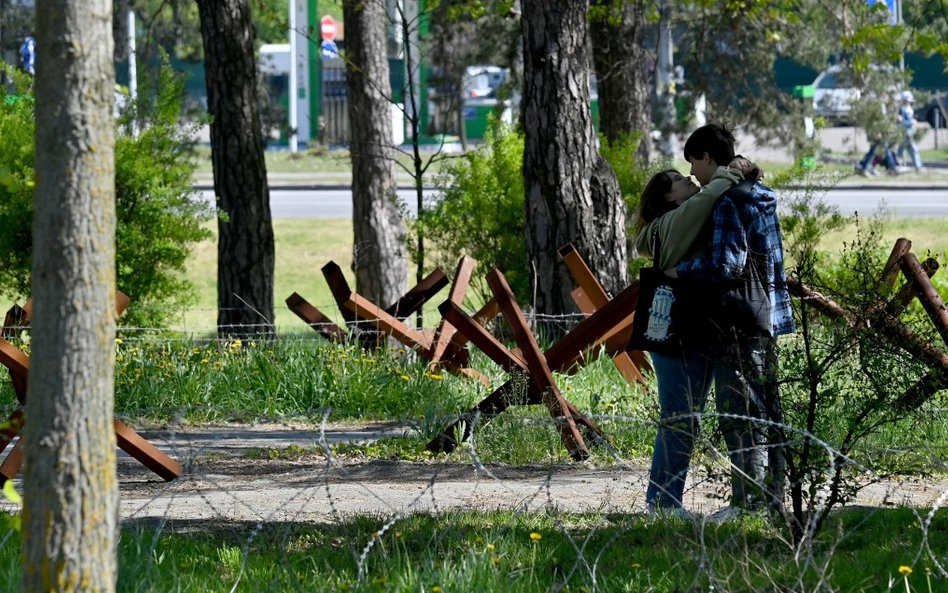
(224, 482)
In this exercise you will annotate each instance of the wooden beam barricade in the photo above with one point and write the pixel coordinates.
(18, 363)
(315, 318)
(589, 296)
(541, 377)
(402, 308)
(566, 355)
(882, 317)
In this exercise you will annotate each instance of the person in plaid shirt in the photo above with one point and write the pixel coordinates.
(744, 262)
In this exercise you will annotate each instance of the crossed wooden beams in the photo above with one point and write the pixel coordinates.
(405, 306)
(883, 317)
(128, 440)
(606, 328)
(443, 348)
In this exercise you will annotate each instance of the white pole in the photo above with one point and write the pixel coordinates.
(132, 68)
(292, 85)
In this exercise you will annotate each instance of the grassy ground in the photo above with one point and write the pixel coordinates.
(506, 551)
(304, 246)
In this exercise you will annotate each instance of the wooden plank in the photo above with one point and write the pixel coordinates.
(369, 311)
(583, 276)
(146, 453)
(18, 364)
(419, 294)
(315, 318)
(445, 330)
(13, 462)
(339, 288)
(482, 338)
(541, 378)
(927, 293)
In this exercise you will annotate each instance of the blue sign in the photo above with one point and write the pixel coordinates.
(328, 49)
(891, 5)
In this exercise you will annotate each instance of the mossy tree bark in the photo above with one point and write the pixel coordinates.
(571, 192)
(245, 249)
(70, 518)
(379, 246)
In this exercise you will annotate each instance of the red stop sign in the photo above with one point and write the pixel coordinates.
(327, 28)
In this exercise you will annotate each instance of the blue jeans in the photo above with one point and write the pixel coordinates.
(683, 384)
(745, 384)
(888, 157)
(912, 148)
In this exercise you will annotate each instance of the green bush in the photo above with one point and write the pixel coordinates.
(481, 211)
(158, 216)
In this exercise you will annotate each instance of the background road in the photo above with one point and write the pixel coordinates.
(336, 201)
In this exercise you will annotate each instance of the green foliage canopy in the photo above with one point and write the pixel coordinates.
(158, 217)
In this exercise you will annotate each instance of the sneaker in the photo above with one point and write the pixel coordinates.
(669, 512)
(866, 172)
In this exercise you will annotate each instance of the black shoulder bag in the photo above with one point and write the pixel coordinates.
(670, 312)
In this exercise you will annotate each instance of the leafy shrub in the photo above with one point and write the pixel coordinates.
(158, 216)
(481, 212)
(621, 156)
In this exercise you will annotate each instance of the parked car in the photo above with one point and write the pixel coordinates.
(833, 94)
(934, 111)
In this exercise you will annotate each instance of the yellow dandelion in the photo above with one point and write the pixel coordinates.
(435, 376)
(610, 406)
(405, 378)
(636, 565)
(490, 547)
(536, 536)
(118, 340)
(905, 570)
(496, 560)
(236, 344)
(398, 535)
(436, 589)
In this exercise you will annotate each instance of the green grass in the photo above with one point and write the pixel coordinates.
(515, 551)
(320, 160)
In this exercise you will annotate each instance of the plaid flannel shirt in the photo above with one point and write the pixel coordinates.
(742, 225)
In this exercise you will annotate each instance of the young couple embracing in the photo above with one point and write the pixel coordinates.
(724, 240)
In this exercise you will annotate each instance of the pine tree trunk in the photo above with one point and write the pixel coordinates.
(617, 31)
(560, 159)
(245, 251)
(379, 248)
(70, 518)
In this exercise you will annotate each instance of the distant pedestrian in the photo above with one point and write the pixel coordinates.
(907, 119)
(28, 55)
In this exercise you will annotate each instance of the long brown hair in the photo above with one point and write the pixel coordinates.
(654, 201)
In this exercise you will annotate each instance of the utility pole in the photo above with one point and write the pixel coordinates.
(132, 68)
(293, 99)
(665, 91)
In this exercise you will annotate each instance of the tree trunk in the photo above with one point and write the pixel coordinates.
(245, 252)
(560, 159)
(70, 517)
(617, 30)
(379, 248)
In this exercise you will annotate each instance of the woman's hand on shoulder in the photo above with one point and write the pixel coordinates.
(748, 169)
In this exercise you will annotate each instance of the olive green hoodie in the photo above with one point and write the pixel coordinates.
(677, 230)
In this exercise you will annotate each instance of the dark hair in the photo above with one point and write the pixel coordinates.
(654, 201)
(716, 139)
